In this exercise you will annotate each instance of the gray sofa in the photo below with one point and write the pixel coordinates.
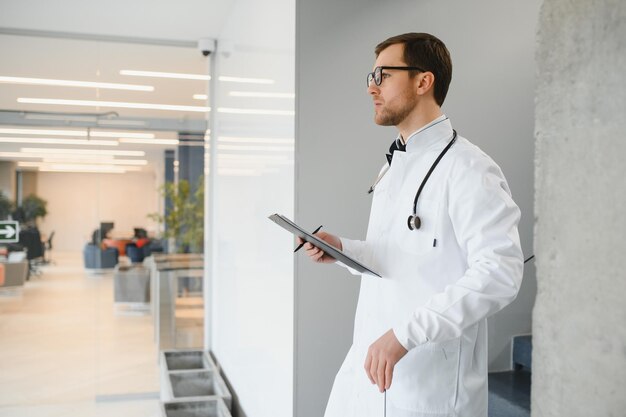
(96, 258)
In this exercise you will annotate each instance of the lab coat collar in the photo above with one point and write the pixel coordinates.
(439, 130)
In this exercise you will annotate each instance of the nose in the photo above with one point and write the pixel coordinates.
(373, 89)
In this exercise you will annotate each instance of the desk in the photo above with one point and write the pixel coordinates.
(119, 244)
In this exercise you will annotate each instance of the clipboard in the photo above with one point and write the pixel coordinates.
(338, 255)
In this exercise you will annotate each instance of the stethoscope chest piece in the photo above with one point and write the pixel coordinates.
(414, 222)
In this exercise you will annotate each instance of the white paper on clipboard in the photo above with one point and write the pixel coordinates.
(332, 251)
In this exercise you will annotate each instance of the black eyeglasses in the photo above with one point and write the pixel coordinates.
(377, 75)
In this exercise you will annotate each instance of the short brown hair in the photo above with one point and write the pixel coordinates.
(428, 52)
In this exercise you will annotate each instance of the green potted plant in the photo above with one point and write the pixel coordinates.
(185, 218)
(32, 208)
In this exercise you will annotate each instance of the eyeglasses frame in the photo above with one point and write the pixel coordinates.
(384, 67)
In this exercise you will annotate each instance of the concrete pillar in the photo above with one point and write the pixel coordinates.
(579, 320)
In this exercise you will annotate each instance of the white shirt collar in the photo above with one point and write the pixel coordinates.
(426, 126)
(429, 134)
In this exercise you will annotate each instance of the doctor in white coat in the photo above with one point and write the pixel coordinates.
(420, 335)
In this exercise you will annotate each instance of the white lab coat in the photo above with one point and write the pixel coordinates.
(439, 283)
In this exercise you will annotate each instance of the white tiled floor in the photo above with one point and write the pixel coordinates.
(63, 351)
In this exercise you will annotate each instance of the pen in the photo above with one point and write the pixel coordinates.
(302, 244)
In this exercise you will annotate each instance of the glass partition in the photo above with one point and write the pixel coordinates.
(107, 139)
(252, 333)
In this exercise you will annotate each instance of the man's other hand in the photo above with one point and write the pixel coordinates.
(382, 357)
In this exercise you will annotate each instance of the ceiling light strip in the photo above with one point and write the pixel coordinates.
(73, 83)
(230, 110)
(258, 94)
(103, 161)
(84, 171)
(233, 139)
(159, 74)
(150, 141)
(74, 166)
(255, 148)
(252, 157)
(73, 151)
(246, 80)
(118, 104)
(79, 133)
(198, 77)
(55, 141)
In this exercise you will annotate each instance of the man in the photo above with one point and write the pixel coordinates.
(420, 333)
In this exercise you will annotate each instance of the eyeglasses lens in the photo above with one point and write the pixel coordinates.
(378, 75)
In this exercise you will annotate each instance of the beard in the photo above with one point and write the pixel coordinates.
(394, 115)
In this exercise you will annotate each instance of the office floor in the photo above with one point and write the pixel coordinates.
(63, 351)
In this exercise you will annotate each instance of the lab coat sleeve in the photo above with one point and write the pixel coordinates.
(484, 218)
(354, 249)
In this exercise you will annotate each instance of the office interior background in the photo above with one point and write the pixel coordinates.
(277, 119)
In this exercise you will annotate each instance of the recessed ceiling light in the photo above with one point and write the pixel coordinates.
(80, 133)
(138, 135)
(77, 167)
(119, 104)
(99, 160)
(17, 131)
(260, 94)
(256, 111)
(55, 141)
(233, 139)
(246, 80)
(199, 77)
(160, 74)
(74, 151)
(255, 148)
(150, 141)
(200, 97)
(248, 157)
(72, 83)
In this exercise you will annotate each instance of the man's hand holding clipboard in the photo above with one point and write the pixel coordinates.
(321, 247)
(318, 255)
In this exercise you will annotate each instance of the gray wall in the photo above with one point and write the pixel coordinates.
(339, 150)
(579, 336)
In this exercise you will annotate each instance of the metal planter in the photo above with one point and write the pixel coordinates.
(198, 383)
(195, 407)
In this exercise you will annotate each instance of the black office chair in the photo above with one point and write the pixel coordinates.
(30, 238)
(48, 248)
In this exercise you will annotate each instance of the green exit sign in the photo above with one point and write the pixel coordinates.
(9, 231)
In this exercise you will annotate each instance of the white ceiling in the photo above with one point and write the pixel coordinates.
(186, 20)
(51, 57)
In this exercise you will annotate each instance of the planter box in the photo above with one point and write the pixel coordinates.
(131, 288)
(197, 383)
(195, 407)
(183, 360)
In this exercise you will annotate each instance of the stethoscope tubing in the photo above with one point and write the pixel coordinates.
(432, 168)
(414, 221)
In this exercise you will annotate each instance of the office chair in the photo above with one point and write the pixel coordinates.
(30, 239)
(48, 248)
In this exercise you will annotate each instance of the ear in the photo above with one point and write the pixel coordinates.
(425, 83)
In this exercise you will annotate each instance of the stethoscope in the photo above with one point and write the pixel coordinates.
(414, 222)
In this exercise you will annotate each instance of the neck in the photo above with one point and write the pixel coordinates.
(421, 115)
